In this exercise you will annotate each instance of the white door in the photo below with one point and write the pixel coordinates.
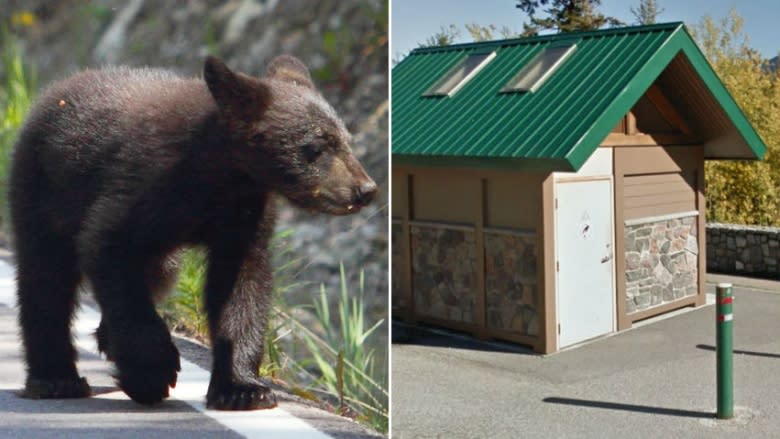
(585, 260)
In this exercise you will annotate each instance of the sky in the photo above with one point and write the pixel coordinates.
(413, 21)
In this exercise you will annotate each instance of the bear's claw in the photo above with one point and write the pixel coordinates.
(245, 396)
(37, 388)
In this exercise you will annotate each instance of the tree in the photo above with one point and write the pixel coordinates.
(647, 12)
(743, 192)
(444, 37)
(564, 16)
(488, 33)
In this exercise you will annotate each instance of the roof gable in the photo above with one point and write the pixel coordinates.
(558, 126)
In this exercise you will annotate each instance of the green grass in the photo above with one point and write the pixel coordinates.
(17, 92)
(323, 351)
(344, 358)
(184, 309)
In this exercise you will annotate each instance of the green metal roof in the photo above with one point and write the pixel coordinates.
(558, 126)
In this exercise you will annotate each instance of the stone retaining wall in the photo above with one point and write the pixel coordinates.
(661, 262)
(743, 250)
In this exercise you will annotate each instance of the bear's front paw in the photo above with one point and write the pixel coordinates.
(240, 396)
(146, 377)
(37, 388)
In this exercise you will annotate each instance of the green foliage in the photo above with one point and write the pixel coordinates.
(444, 37)
(743, 192)
(564, 16)
(343, 358)
(211, 37)
(447, 35)
(490, 32)
(378, 39)
(184, 308)
(647, 12)
(338, 362)
(17, 93)
(336, 44)
(93, 17)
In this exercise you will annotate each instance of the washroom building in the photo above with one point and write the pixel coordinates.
(550, 190)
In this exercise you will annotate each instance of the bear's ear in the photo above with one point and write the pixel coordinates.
(235, 93)
(291, 69)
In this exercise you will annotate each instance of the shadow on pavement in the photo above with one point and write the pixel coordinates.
(13, 403)
(629, 407)
(421, 335)
(707, 347)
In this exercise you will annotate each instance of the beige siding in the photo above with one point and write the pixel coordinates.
(400, 193)
(658, 194)
(641, 160)
(446, 196)
(658, 180)
(514, 201)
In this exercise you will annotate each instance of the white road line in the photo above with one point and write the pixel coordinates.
(191, 385)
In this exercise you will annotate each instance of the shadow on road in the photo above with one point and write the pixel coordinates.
(421, 335)
(707, 347)
(629, 407)
(98, 403)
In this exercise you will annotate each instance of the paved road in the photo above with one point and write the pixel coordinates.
(111, 414)
(654, 381)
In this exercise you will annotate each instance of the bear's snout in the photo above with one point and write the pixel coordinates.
(364, 193)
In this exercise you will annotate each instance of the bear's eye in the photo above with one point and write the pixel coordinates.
(312, 151)
(258, 138)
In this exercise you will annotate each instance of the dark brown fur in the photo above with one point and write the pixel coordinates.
(117, 169)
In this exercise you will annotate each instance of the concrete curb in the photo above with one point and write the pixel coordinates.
(745, 282)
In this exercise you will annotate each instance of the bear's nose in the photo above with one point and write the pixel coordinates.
(365, 193)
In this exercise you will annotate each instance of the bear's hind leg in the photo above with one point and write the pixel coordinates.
(47, 279)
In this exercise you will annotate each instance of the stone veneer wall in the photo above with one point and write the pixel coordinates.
(444, 272)
(511, 282)
(661, 262)
(396, 235)
(744, 250)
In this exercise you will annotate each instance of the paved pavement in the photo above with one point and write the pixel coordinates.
(656, 380)
(111, 414)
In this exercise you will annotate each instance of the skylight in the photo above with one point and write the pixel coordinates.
(460, 74)
(541, 67)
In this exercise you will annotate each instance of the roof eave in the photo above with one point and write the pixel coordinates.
(743, 142)
(746, 145)
(541, 165)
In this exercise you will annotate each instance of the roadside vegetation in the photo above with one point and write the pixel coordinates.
(323, 351)
(741, 192)
(17, 91)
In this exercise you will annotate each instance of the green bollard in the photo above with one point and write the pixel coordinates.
(725, 350)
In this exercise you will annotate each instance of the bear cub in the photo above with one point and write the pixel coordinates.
(117, 169)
